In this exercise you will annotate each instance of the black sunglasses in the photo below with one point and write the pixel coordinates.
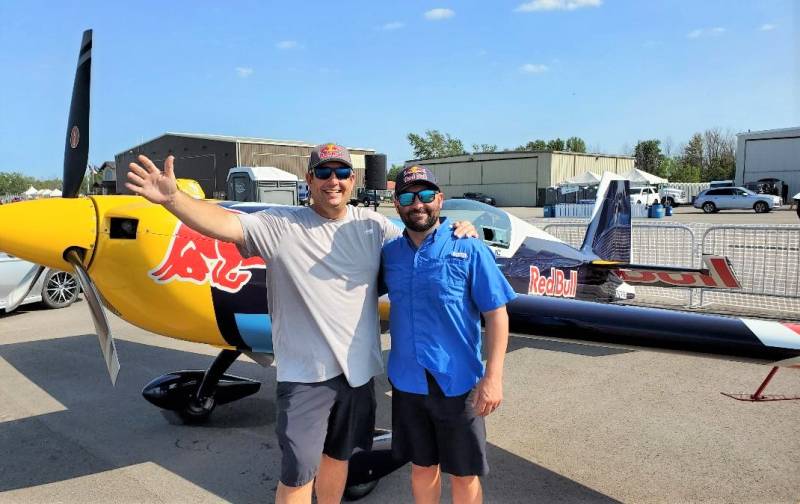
(324, 172)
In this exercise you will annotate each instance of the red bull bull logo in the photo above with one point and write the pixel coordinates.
(556, 285)
(192, 257)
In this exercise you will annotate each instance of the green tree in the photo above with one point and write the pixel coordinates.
(434, 145)
(682, 172)
(393, 171)
(648, 156)
(693, 152)
(536, 145)
(576, 144)
(556, 145)
(479, 148)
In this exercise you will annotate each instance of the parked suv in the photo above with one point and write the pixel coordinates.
(480, 197)
(726, 198)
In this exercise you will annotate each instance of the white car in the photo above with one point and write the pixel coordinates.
(644, 196)
(54, 289)
(673, 196)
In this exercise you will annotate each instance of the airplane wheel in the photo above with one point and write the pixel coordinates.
(355, 492)
(195, 413)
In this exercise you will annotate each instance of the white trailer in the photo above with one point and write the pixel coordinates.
(265, 184)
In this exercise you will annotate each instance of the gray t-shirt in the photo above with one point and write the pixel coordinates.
(322, 289)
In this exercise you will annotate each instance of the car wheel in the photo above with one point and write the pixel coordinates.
(709, 207)
(60, 289)
(638, 202)
(761, 207)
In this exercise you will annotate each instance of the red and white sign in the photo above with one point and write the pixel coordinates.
(556, 285)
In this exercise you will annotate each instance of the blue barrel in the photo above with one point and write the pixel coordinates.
(656, 211)
(668, 210)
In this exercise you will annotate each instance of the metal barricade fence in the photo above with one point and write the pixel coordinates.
(584, 210)
(766, 260)
(656, 244)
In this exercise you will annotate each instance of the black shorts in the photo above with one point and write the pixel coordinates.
(329, 417)
(435, 429)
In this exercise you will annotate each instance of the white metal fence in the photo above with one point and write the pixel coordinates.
(584, 210)
(766, 260)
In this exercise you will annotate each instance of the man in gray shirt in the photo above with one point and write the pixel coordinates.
(323, 265)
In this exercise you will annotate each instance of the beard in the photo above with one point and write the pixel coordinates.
(420, 226)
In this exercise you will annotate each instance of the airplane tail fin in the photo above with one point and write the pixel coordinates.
(609, 233)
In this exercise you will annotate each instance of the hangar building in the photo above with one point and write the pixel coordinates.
(207, 158)
(517, 178)
(769, 154)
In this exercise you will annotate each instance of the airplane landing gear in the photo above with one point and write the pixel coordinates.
(367, 467)
(193, 394)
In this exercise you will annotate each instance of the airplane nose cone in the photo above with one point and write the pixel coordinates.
(40, 231)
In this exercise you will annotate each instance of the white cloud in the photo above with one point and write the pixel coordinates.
(767, 27)
(439, 14)
(287, 44)
(530, 68)
(394, 25)
(550, 5)
(705, 32)
(244, 72)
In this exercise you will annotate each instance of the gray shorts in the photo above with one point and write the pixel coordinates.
(329, 417)
(435, 429)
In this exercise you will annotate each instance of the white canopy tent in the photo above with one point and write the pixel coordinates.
(30, 192)
(637, 176)
(55, 193)
(585, 178)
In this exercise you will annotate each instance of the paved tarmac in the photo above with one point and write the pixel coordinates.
(580, 423)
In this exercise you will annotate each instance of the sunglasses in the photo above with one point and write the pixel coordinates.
(425, 196)
(324, 172)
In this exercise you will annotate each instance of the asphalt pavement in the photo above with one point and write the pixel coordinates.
(580, 423)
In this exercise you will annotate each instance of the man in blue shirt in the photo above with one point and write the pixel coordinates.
(439, 287)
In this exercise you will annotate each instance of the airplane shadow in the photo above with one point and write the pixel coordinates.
(235, 456)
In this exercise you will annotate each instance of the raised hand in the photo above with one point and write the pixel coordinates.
(148, 181)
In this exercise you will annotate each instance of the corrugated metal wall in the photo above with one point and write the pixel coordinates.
(292, 158)
(516, 178)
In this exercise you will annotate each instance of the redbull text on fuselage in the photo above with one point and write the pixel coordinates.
(556, 285)
(193, 257)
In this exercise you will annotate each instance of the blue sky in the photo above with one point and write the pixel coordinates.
(367, 73)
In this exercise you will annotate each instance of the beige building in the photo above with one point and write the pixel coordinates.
(517, 178)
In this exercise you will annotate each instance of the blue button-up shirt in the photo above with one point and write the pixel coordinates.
(437, 293)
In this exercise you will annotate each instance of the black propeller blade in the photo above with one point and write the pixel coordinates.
(76, 150)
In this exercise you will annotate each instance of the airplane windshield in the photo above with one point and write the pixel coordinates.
(493, 225)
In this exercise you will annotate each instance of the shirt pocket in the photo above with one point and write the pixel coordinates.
(449, 282)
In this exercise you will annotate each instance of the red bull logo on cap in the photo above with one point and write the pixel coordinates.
(192, 257)
(331, 151)
(557, 285)
(415, 173)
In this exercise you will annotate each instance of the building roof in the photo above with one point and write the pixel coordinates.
(264, 173)
(242, 139)
(479, 156)
(778, 133)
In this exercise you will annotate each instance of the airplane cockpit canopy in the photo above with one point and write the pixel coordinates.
(493, 225)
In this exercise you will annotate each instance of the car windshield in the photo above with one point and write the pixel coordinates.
(493, 225)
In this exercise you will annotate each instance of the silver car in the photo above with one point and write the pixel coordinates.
(54, 289)
(728, 198)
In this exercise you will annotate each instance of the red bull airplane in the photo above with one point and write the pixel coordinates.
(135, 259)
